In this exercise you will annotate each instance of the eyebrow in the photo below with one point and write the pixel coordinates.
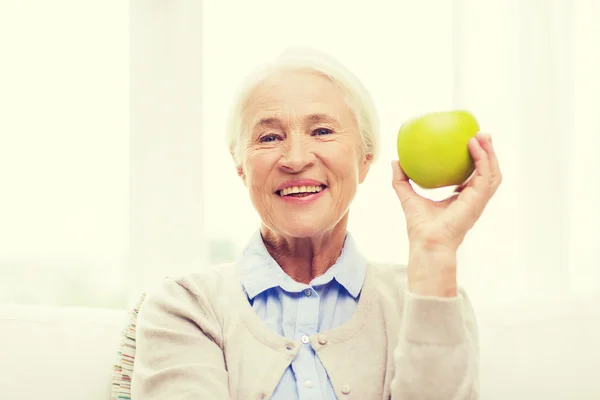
(322, 118)
(312, 118)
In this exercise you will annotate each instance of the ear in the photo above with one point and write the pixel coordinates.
(241, 174)
(365, 165)
(239, 168)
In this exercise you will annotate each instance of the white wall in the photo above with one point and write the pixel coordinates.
(550, 359)
(64, 143)
(100, 148)
(167, 192)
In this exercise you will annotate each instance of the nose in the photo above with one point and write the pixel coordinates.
(297, 155)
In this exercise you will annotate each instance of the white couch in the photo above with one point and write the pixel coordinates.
(51, 353)
(67, 354)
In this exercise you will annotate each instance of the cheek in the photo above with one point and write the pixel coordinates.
(342, 162)
(256, 165)
(258, 169)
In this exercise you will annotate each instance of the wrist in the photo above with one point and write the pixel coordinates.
(432, 245)
(432, 271)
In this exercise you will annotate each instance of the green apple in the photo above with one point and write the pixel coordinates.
(433, 148)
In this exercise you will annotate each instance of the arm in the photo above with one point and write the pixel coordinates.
(437, 356)
(178, 348)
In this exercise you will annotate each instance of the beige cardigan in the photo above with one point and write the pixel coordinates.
(199, 338)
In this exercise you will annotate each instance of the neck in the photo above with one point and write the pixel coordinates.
(306, 258)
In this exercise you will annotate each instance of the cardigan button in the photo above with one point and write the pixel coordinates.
(346, 389)
(322, 339)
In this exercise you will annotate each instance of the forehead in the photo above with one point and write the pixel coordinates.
(302, 94)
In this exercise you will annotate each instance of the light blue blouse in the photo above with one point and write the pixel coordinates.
(297, 311)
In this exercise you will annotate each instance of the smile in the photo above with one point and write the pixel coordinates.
(300, 191)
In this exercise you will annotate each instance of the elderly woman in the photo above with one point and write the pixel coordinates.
(302, 314)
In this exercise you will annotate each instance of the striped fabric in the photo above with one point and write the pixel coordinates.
(123, 369)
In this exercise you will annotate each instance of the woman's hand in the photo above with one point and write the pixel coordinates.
(436, 229)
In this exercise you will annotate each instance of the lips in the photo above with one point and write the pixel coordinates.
(300, 188)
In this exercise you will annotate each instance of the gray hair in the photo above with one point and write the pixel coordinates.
(302, 58)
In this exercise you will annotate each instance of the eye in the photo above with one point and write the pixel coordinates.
(269, 138)
(322, 131)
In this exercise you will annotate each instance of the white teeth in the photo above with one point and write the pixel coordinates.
(301, 189)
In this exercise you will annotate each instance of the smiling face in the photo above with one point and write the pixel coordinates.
(302, 153)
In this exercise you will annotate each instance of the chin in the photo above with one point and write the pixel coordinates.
(303, 227)
(301, 231)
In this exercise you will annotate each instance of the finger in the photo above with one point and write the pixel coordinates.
(485, 140)
(481, 177)
(474, 194)
(401, 184)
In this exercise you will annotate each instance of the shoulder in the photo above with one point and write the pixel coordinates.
(204, 279)
(209, 281)
(202, 290)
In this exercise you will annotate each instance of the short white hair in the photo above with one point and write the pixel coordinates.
(302, 58)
